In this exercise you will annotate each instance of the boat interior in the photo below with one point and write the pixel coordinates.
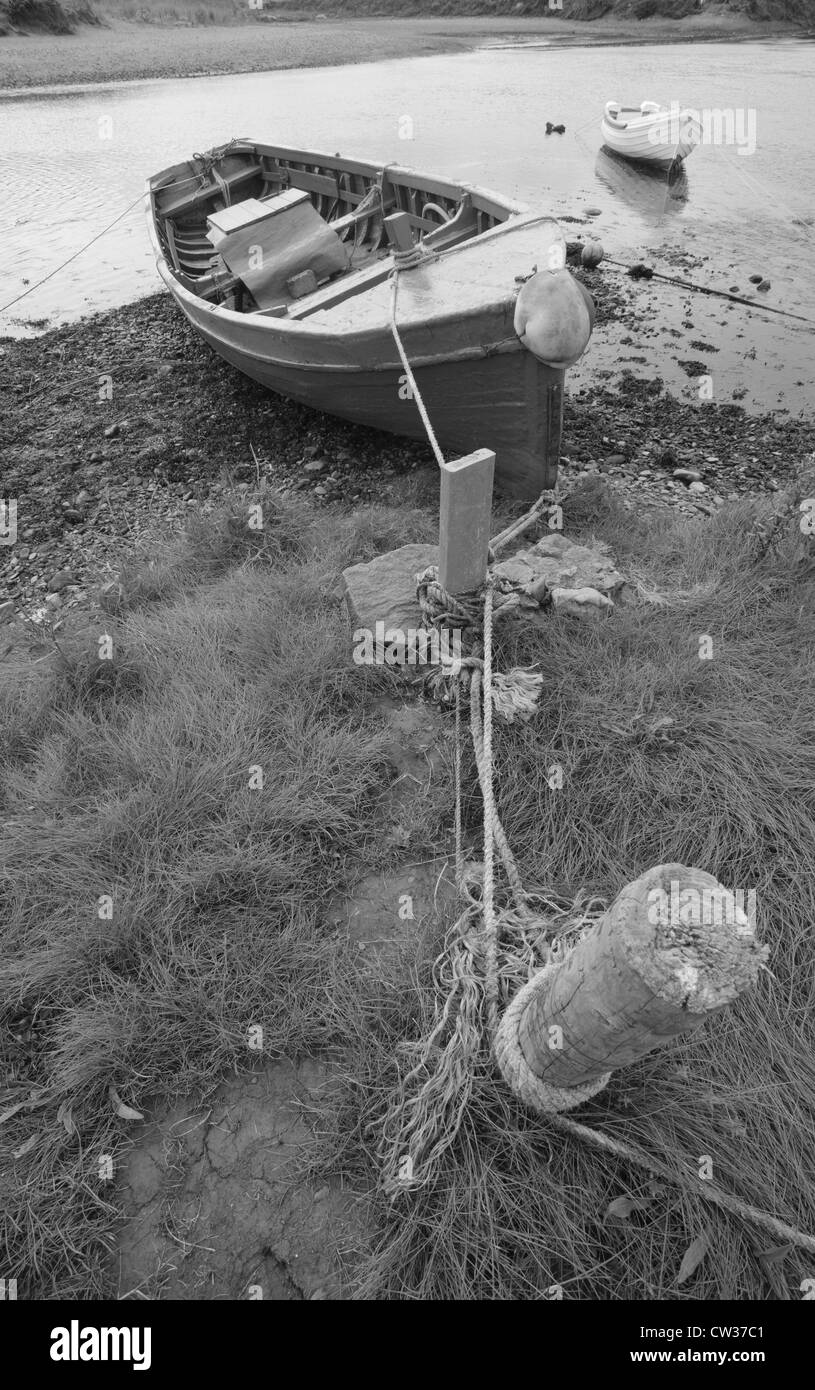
(284, 233)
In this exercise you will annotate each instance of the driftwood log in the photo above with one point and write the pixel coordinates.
(674, 948)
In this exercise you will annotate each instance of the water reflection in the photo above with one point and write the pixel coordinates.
(651, 191)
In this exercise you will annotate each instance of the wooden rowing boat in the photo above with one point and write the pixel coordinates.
(283, 261)
(651, 133)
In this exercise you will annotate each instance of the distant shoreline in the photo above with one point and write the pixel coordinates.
(131, 52)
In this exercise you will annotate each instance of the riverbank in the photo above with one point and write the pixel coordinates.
(255, 930)
(125, 51)
(180, 426)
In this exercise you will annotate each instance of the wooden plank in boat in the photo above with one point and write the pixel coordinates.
(266, 243)
(189, 200)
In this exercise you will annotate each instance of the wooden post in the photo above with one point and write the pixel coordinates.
(399, 230)
(465, 510)
(674, 948)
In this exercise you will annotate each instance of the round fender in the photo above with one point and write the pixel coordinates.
(554, 317)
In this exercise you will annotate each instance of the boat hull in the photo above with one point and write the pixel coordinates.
(505, 400)
(336, 351)
(660, 139)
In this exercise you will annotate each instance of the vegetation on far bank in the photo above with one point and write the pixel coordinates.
(66, 16)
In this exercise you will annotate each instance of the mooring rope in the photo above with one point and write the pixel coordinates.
(62, 265)
(406, 260)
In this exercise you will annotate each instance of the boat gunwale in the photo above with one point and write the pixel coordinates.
(484, 199)
(518, 216)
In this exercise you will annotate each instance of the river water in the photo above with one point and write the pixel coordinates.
(73, 159)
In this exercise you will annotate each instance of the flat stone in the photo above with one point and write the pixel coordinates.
(555, 562)
(384, 589)
(697, 487)
(583, 602)
(687, 475)
(316, 466)
(61, 580)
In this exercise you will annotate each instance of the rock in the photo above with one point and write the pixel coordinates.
(154, 447)
(6, 611)
(764, 286)
(592, 254)
(555, 562)
(53, 600)
(613, 461)
(687, 475)
(592, 212)
(111, 431)
(73, 514)
(734, 289)
(61, 580)
(697, 487)
(82, 497)
(581, 603)
(316, 466)
(384, 589)
(756, 279)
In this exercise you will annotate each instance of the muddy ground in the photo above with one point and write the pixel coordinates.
(225, 1199)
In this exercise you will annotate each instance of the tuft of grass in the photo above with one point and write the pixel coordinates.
(154, 902)
(517, 1209)
(230, 652)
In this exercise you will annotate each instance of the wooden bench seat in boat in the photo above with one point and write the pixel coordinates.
(192, 198)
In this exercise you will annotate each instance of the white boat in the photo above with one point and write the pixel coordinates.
(652, 133)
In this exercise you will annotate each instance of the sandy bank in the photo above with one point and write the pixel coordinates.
(126, 52)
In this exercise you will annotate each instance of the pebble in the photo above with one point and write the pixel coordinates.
(61, 580)
(764, 286)
(697, 487)
(593, 212)
(688, 475)
(111, 431)
(6, 610)
(316, 466)
(615, 460)
(756, 279)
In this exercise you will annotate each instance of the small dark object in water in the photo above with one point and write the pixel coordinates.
(549, 127)
(555, 129)
(764, 286)
(756, 279)
(640, 272)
